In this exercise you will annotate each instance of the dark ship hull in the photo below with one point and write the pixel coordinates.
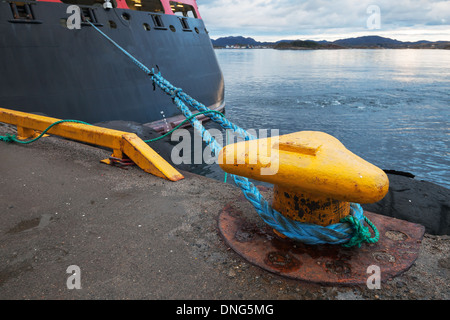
(77, 74)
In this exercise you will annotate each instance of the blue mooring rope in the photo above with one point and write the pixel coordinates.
(349, 232)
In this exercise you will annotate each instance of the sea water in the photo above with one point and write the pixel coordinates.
(389, 106)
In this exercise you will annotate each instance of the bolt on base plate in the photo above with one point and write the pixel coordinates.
(394, 253)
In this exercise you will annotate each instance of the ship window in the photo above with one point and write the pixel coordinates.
(182, 9)
(88, 14)
(184, 23)
(157, 21)
(21, 11)
(145, 5)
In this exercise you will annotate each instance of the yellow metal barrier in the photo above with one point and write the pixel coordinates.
(122, 143)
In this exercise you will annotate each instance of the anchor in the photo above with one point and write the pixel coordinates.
(315, 181)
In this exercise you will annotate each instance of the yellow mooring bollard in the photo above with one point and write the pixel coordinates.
(315, 180)
(314, 175)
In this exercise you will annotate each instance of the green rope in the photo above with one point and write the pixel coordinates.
(362, 233)
(7, 138)
(13, 138)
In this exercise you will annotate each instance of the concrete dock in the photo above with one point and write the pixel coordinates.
(136, 236)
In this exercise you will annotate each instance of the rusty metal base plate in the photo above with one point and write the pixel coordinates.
(394, 253)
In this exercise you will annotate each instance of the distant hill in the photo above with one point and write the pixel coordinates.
(359, 42)
(305, 45)
(239, 40)
(367, 41)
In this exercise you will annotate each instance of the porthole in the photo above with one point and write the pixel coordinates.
(146, 26)
(172, 28)
(126, 16)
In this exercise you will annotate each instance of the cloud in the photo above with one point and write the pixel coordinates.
(266, 19)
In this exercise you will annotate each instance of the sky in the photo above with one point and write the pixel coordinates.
(272, 20)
